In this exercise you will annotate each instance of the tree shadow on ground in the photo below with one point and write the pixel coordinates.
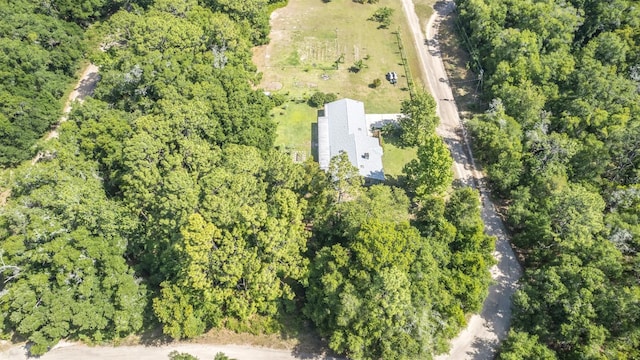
(314, 141)
(153, 336)
(399, 181)
(310, 345)
(483, 349)
(392, 136)
(465, 84)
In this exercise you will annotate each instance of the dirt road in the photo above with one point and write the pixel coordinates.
(75, 351)
(84, 88)
(481, 337)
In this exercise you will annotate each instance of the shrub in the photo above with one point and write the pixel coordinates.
(278, 99)
(318, 99)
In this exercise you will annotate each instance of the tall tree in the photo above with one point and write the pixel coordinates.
(419, 120)
(431, 172)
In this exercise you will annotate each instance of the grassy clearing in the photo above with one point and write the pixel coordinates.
(307, 38)
(295, 121)
(396, 157)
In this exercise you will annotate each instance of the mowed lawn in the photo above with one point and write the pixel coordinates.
(395, 158)
(295, 121)
(307, 38)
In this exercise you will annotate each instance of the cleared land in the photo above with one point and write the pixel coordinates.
(307, 38)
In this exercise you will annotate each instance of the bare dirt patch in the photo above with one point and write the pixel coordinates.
(4, 196)
(273, 86)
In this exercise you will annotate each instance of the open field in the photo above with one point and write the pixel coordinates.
(296, 121)
(307, 38)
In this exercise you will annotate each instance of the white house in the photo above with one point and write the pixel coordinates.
(344, 126)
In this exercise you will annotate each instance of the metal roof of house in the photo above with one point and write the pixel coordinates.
(344, 128)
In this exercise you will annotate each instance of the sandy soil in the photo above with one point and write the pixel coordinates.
(75, 351)
(481, 337)
(84, 88)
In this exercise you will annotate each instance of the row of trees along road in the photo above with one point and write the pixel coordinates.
(560, 143)
(163, 203)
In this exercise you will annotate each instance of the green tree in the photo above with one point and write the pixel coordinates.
(377, 311)
(318, 99)
(496, 139)
(41, 51)
(175, 355)
(175, 311)
(241, 255)
(575, 299)
(251, 14)
(67, 242)
(345, 177)
(358, 65)
(566, 74)
(383, 16)
(522, 346)
(222, 356)
(471, 250)
(419, 120)
(431, 172)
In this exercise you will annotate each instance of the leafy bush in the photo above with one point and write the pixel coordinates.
(383, 16)
(278, 99)
(318, 99)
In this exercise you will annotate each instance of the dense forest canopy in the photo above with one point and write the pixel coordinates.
(39, 55)
(163, 203)
(560, 144)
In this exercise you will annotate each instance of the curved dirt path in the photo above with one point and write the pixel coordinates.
(481, 337)
(84, 88)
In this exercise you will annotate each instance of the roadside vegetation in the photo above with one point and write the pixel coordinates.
(559, 142)
(165, 203)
